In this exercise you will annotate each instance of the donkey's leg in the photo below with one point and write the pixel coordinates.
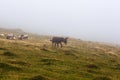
(61, 45)
(57, 45)
(52, 44)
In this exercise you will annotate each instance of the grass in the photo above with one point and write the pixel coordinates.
(35, 59)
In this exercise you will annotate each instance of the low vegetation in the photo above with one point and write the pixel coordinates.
(36, 59)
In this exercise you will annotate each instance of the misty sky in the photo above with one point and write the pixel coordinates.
(97, 20)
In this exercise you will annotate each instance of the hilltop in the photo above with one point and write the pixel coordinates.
(79, 60)
(15, 31)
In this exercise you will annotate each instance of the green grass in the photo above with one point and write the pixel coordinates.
(79, 60)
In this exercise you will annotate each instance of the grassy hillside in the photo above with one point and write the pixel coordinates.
(35, 59)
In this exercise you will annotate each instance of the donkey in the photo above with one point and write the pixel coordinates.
(58, 40)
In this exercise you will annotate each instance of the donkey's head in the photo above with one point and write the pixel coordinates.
(65, 40)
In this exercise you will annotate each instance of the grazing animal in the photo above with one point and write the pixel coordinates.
(22, 37)
(2, 35)
(10, 36)
(58, 40)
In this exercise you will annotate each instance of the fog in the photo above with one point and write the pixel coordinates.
(94, 20)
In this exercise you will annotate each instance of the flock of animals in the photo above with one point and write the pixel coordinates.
(56, 41)
(13, 37)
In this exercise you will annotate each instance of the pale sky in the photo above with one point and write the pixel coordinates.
(97, 20)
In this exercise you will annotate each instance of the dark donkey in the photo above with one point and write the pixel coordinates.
(58, 40)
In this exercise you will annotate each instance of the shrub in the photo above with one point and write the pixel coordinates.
(8, 53)
(39, 77)
(7, 67)
(93, 66)
(102, 78)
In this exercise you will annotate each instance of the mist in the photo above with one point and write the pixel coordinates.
(94, 20)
